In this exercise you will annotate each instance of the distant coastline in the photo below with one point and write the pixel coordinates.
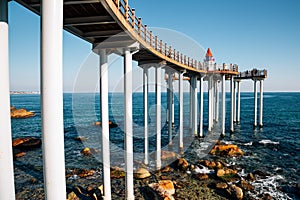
(24, 92)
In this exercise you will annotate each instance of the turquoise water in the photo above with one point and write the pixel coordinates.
(273, 149)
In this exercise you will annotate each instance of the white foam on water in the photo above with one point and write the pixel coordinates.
(248, 144)
(204, 170)
(269, 185)
(268, 142)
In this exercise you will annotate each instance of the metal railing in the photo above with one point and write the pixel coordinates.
(253, 73)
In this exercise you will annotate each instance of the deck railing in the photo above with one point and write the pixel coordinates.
(253, 73)
(153, 41)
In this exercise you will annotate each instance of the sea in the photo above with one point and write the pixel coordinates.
(273, 149)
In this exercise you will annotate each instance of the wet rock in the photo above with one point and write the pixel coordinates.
(201, 176)
(26, 143)
(168, 155)
(164, 188)
(167, 169)
(267, 196)
(80, 138)
(117, 173)
(111, 124)
(182, 164)
(142, 173)
(226, 150)
(72, 196)
(212, 164)
(221, 186)
(236, 192)
(225, 171)
(260, 173)
(250, 177)
(18, 153)
(20, 113)
(245, 185)
(82, 173)
(89, 151)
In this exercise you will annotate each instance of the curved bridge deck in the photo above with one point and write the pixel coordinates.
(96, 21)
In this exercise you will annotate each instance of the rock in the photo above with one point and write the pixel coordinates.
(250, 177)
(267, 196)
(226, 150)
(20, 113)
(89, 151)
(182, 164)
(142, 173)
(260, 173)
(72, 196)
(117, 173)
(168, 155)
(201, 176)
(221, 185)
(111, 124)
(225, 171)
(80, 138)
(245, 185)
(18, 153)
(164, 188)
(26, 143)
(167, 169)
(236, 192)
(82, 173)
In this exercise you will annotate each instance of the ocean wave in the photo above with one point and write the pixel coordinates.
(268, 142)
(270, 185)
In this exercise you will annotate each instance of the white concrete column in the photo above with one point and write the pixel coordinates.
(209, 104)
(238, 102)
(255, 104)
(217, 101)
(201, 108)
(128, 124)
(170, 102)
(181, 110)
(145, 92)
(234, 101)
(7, 187)
(191, 105)
(232, 105)
(105, 124)
(223, 104)
(158, 115)
(195, 110)
(261, 103)
(52, 99)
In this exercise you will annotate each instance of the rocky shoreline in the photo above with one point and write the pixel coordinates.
(210, 178)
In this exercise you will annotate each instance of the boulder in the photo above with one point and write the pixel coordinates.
(225, 171)
(250, 177)
(168, 155)
(245, 185)
(89, 151)
(182, 164)
(142, 173)
(226, 150)
(235, 192)
(164, 188)
(20, 113)
(18, 153)
(117, 173)
(27, 143)
(111, 124)
(221, 185)
(80, 139)
(212, 164)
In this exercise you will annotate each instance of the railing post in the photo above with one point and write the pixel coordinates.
(118, 4)
(133, 18)
(170, 52)
(156, 43)
(151, 39)
(126, 10)
(160, 46)
(139, 26)
(52, 99)
(166, 49)
(7, 187)
(145, 32)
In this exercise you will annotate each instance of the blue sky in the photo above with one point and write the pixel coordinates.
(253, 33)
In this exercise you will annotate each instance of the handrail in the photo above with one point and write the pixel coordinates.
(146, 35)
